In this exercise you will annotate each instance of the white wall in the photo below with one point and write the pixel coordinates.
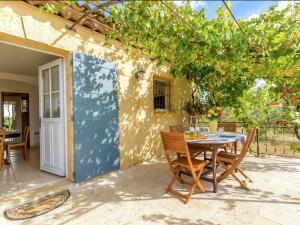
(7, 85)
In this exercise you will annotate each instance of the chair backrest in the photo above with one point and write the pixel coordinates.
(2, 138)
(26, 135)
(2, 130)
(246, 145)
(177, 128)
(240, 157)
(228, 127)
(174, 142)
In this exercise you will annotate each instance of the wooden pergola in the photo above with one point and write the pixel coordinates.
(91, 16)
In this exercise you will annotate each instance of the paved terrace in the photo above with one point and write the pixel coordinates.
(136, 196)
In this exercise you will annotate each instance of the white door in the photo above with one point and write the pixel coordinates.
(52, 129)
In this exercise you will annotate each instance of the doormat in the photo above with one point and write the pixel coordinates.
(38, 207)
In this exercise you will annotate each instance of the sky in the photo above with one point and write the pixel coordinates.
(241, 9)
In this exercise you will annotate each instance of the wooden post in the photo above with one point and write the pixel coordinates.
(257, 143)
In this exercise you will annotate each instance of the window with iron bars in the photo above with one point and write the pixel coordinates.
(161, 93)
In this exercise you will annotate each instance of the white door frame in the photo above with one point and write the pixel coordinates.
(64, 92)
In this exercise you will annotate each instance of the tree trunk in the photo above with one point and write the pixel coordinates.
(296, 130)
(193, 100)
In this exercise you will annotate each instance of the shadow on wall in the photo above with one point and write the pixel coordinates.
(139, 125)
(96, 129)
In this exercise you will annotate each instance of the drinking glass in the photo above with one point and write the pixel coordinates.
(192, 130)
(221, 130)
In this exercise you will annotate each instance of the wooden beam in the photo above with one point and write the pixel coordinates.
(108, 3)
(236, 21)
(179, 16)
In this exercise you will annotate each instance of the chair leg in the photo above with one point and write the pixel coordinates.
(8, 154)
(226, 173)
(238, 169)
(196, 184)
(190, 193)
(241, 182)
(177, 193)
(25, 153)
(199, 184)
(172, 180)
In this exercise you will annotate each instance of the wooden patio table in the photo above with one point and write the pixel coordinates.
(212, 144)
(12, 133)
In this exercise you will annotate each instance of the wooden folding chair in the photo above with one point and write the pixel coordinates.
(229, 127)
(16, 146)
(175, 142)
(231, 162)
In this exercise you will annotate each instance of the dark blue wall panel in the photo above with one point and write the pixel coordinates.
(96, 125)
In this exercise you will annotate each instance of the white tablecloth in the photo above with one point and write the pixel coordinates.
(220, 138)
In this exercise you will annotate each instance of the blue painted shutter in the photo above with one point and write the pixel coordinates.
(95, 110)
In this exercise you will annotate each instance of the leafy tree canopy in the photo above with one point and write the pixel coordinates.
(214, 54)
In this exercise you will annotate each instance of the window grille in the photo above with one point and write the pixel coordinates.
(161, 92)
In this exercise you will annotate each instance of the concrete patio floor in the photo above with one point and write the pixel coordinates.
(23, 174)
(136, 196)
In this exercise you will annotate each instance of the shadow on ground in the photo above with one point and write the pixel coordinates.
(136, 196)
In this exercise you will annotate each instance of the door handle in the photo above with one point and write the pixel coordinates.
(116, 89)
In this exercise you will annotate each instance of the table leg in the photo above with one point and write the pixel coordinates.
(214, 168)
(235, 151)
(235, 147)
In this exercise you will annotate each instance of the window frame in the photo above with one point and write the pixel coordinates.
(167, 101)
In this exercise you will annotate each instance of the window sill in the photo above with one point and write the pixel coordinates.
(163, 111)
